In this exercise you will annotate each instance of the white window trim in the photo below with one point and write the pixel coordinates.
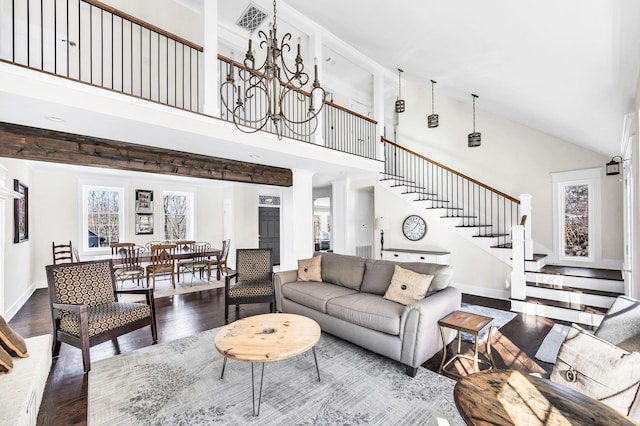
(191, 216)
(592, 178)
(85, 226)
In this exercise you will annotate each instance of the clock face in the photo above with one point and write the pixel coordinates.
(414, 227)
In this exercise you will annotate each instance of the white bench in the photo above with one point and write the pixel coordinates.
(21, 390)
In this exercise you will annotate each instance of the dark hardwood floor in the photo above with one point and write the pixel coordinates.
(65, 397)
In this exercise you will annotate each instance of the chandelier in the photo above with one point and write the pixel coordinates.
(272, 96)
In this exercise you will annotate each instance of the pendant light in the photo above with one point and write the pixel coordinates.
(432, 120)
(400, 102)
(474, 138)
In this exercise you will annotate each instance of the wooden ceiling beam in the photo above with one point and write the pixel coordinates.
(31, 143)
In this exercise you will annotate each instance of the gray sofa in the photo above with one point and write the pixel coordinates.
(349, 303)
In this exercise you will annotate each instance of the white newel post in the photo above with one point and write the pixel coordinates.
(518, 278)
(525, 209)
(6, 194)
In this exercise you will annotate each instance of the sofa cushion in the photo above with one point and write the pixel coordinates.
(621, 325)
(598, 369)
(378, 273)
(343, 270)
(314, 295)
(368, 310)
(310, 269)
(408, 287)
(6, 362)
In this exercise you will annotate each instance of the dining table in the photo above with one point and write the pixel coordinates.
(181, 253)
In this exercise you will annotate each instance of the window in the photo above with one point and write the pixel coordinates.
(576, 206)
(178, 215)
(103, 213)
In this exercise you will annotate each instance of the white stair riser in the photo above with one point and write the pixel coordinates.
(579, 282)
(570, 297)
(534, 265)
(553, 312)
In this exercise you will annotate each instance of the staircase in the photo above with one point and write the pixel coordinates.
(489, 218)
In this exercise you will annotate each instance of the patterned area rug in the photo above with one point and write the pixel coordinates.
(500, 318)
(178, 383)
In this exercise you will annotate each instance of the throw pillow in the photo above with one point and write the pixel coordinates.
(407, 287)
(12, 341)
(310, 269)
(6, 362)
(598, 369)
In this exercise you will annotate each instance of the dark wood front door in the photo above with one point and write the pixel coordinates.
(269, 228)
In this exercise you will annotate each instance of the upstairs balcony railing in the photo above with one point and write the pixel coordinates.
(475, 204)
(87, 41)
(90, 42)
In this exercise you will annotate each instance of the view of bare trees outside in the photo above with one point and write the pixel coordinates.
(576, 220)
(175, 217)
(103, 220)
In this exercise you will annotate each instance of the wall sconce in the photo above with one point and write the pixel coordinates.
(613, 166)
(380, 224)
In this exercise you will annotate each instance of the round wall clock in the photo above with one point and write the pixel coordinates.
(414, 227)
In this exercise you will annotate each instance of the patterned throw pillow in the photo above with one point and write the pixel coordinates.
(11, 341)
(310, 269)
(6, 362)
(408, 287)
(596, 368)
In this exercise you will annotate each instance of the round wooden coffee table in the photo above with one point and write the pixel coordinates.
(266, 338)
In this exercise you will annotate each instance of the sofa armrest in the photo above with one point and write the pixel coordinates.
(419, 328)
(280, 279)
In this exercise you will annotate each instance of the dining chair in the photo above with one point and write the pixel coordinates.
(162, 262)
(62, 253)
(118, 248)
(253, 280)
(148, 245)
(130, 266)
(198, 261)
(184, 244)
(220, 261)
(85, 310)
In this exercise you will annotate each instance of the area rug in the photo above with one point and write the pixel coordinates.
(548, 350)
(178, 383)
(500, 318)
(164, 288)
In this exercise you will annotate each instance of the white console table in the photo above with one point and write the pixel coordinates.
(424, 256)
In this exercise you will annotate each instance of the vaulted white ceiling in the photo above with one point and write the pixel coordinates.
(568, 68)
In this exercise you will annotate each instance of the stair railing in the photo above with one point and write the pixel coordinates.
(477, 205)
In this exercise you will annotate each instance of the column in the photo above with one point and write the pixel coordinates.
(211, 87)
(296, 238)
(342, 214)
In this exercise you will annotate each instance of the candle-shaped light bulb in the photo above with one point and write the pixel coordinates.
(315, 69)
(298, 46)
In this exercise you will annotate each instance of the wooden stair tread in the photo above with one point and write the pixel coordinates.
(574, 271)
(574, 289)
(538, 256)
(566, 305)
(491, 235)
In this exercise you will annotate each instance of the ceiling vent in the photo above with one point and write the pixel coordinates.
(251, 18)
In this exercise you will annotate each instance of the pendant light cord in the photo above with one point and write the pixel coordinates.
(474, 112)
(433, 104)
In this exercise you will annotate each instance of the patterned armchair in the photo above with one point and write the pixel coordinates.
(85, 309)
(253, 280)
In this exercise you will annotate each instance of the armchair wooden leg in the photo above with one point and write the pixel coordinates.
(226, 314)
(55, 349)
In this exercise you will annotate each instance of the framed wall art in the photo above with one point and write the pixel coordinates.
(144, 224)
(144, 201)
(21, 213)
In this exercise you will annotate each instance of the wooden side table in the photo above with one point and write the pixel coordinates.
(473, 324)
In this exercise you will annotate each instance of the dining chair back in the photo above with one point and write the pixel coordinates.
(162, 262)
(253, 280)
(184, 244)
(197, 263)
(62, 253)
(118, 248)
(85, 310)
(221, 261)
(130, 266)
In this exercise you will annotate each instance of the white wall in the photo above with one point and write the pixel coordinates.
(513, 158)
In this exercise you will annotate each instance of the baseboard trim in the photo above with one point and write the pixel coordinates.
(13, 309)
